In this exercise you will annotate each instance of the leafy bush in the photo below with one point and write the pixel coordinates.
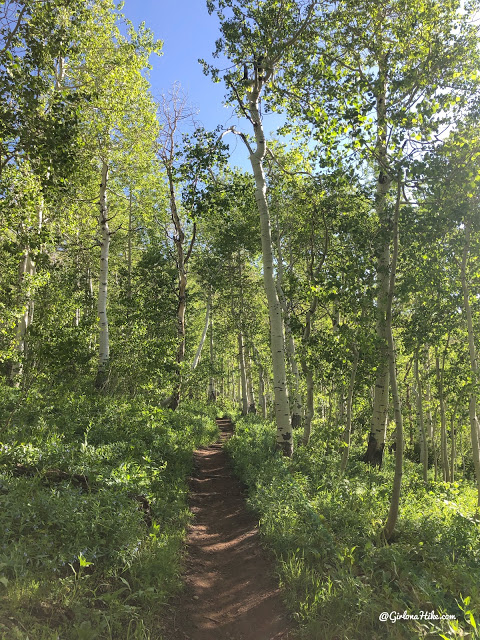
(324, 529)
(92, 513)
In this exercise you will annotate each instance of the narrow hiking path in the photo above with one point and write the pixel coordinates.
(230, 592)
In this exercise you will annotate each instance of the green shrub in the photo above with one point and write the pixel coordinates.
(92, 513)
(324, 530)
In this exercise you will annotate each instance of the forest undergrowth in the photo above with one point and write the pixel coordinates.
(338, 574)
(93, 510)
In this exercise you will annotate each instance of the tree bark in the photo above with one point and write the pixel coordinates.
(397, 406)
(261, 392)
(434, 446)
(376, 442)
(262, 397)
(25, 268)
(182, 259)
(421, 424)
(308, 373)
(429, 398)
(243, 373)
(472, 405)
(196, 360)
(297, 404)
(277, 334)
(104, 340)
(252, 407)
(129, 252)
(211, 395)
(443, 419)
(453, 444)
(348, 426)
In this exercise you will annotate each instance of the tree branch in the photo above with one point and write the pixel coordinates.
(240, 102)
(12, 33)
(243, 137)
(295, 36)
(192, 242)
(289, 173)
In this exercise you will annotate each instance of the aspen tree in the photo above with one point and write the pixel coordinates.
(198, 353)
(397, 479)
(472, 351)
(297, 404)
(118, 127)
(211, 394)
(104, 340)
(258, 40)
(243, 373)
(421, 422)
(380, 91)
(252, 407)
(188, 162)
(38, 126)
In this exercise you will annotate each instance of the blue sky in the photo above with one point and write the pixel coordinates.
(188, 33)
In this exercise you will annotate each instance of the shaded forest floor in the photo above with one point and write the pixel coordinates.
(230, 592)
(93, 510)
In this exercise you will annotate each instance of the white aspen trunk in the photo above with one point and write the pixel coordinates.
(252, 407)
(233, 387)
(340, 415)
(376, 442)
(421, 425)
(239, 393)
(409, 412)
(310, 406)
(397, 406)
(330, 405)
(243, 374)
(59, 73)
(428, 398)
(90, 288)
(248, 379)
(262, 397)
(462, 455)
(397, 480)
(277, 335)
(103, 341)
(76, 319)
(89, 306)
(25, 268)
(453, 448)
(211, 395)
(222, 380)
(443, 422)
(434, 446)
(196, 360)
(231, 383)
(472, 405)
(261, 392)
(348, 426)
(307, 372)
(179, 238)
(297, 403)
(129, 251)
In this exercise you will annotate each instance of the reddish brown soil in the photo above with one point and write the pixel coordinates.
(230, 592)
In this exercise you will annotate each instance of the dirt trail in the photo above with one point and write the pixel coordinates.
(230, 592)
